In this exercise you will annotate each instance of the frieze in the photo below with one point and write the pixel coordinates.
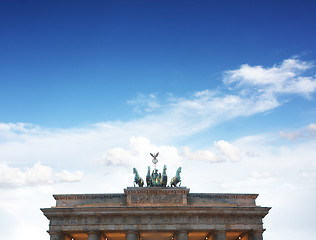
(155, 220)
(156, 199)
(156, 196)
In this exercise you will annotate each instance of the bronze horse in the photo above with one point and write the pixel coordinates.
(177, 179)
(137, 179)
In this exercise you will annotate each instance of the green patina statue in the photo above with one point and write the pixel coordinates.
(149, 180)
(156, 179)
(137, 179)
(164, 176)
(177, 179)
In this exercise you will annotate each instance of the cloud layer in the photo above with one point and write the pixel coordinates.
(221, 152)
(36, 175)
(249, 90)
(288, 77)
(307, 132)
(253, 90)
(37, 161)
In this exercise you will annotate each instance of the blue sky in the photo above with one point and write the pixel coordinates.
(225, 89)
(85, 60)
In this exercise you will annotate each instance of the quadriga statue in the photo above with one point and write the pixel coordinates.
(177, 179)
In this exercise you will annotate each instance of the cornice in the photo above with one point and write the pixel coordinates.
(157, 190)
(141, 211)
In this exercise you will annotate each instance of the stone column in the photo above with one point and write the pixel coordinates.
(56, 236)
(219, 235)
(131, 235)
(182, 235)
(94, 236)
(255, 235)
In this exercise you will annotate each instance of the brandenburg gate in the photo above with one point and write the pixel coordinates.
(156, 212)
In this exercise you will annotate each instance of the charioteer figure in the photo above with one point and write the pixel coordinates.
(156, 179)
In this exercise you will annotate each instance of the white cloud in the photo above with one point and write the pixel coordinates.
(176, 118)
(223, 151)
(284, 78)
(290, 135)
(311, 128)
(17, 131)
(202, 155)
(16, 127)
(309, 176)
(284, 177)
(257, 175)
(147, 103)
(276, 172)
(66, 176)
(36, 175)
(307, 132)
(15, 177)
(251, 182)
(137, 155)
(233, 153)
(258, 91)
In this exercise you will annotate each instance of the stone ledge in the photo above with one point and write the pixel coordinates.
(225, 195)
(86, 196)
(222, 199)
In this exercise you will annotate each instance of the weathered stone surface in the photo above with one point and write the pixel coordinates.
(56, 235)
(255, 235)
(156, 196)
(86, 200)
(215, 199)
(182, 235)
(154, 210)
(179, 196)
(131, 235)
(94, 236)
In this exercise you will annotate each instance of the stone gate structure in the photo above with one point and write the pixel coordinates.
(156, 213)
